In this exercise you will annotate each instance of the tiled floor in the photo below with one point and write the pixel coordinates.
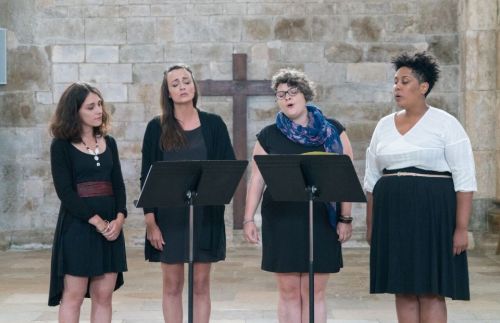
(241, 292)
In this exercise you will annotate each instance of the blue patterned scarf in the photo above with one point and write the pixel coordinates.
(319, 131)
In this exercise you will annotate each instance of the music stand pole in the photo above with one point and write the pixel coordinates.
(312, 193)
(190, 196)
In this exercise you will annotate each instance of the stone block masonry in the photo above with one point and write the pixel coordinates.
(124, 46)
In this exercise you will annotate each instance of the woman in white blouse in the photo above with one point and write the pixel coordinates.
(419, 181)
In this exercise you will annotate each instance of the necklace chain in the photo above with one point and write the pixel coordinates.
(94, 152)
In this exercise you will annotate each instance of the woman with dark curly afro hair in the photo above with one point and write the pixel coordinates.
(419, 179)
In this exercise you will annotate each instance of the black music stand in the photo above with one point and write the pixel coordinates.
(190, 183)
(322, 178)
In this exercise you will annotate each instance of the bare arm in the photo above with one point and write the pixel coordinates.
(344, 230)
(346, 206)
(254, 194)
(369, 210)
(464, 207)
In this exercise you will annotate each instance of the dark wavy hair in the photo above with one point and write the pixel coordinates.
(66, 123)
(294, 78)
(172, 135)
(423, 65)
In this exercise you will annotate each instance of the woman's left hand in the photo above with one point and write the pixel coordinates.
(114, 228)
(344, 230)
(460, 241)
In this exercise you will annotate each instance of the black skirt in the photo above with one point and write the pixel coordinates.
(285, 238)
(411, 252)
(209, 243)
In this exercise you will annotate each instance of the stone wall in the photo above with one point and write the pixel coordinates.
(123, 47)
(480, 112)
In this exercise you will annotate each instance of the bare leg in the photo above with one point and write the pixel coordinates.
(173, 282)
(201, 292)
(408, 308)
(72, 298)
(289, 305)
(101, 293)
(320, 281)
(432, 309)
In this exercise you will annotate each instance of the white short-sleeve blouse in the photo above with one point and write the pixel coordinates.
(437, 142)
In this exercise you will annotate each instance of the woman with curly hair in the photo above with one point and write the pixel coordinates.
(419, 180)
(300, 128)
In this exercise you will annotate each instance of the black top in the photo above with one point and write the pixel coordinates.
(218, 147)
(64, 176)
(194, 150)
(275, 142)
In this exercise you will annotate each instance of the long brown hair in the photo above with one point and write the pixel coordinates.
(172, 135)
(66, 122)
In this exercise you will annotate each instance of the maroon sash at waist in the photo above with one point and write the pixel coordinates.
(90, 189)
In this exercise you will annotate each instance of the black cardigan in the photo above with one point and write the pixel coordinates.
(63, 175)
(219, 147)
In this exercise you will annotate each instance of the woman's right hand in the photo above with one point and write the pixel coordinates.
(99, 224)
(251, 233)
(153, 233)
(254, 194)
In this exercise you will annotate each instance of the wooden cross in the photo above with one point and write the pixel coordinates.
(239, 88)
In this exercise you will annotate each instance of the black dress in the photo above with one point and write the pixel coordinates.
(78, 249)
(86, 252)
(213, 142)
(285, 235)
(173, 222)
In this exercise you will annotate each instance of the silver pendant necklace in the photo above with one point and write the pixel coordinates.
(94, 152)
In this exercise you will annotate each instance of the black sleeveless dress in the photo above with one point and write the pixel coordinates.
(285, 235)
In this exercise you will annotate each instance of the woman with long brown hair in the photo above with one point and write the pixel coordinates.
(88, 255)
(183, 132)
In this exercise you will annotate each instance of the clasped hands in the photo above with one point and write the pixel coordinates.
(109, 229)
(112, 229)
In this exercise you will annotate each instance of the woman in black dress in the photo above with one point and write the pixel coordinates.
(300, 128)
(88, 255)
(183, 132)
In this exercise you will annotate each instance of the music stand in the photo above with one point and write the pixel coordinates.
(323, 178)
(190, 183)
